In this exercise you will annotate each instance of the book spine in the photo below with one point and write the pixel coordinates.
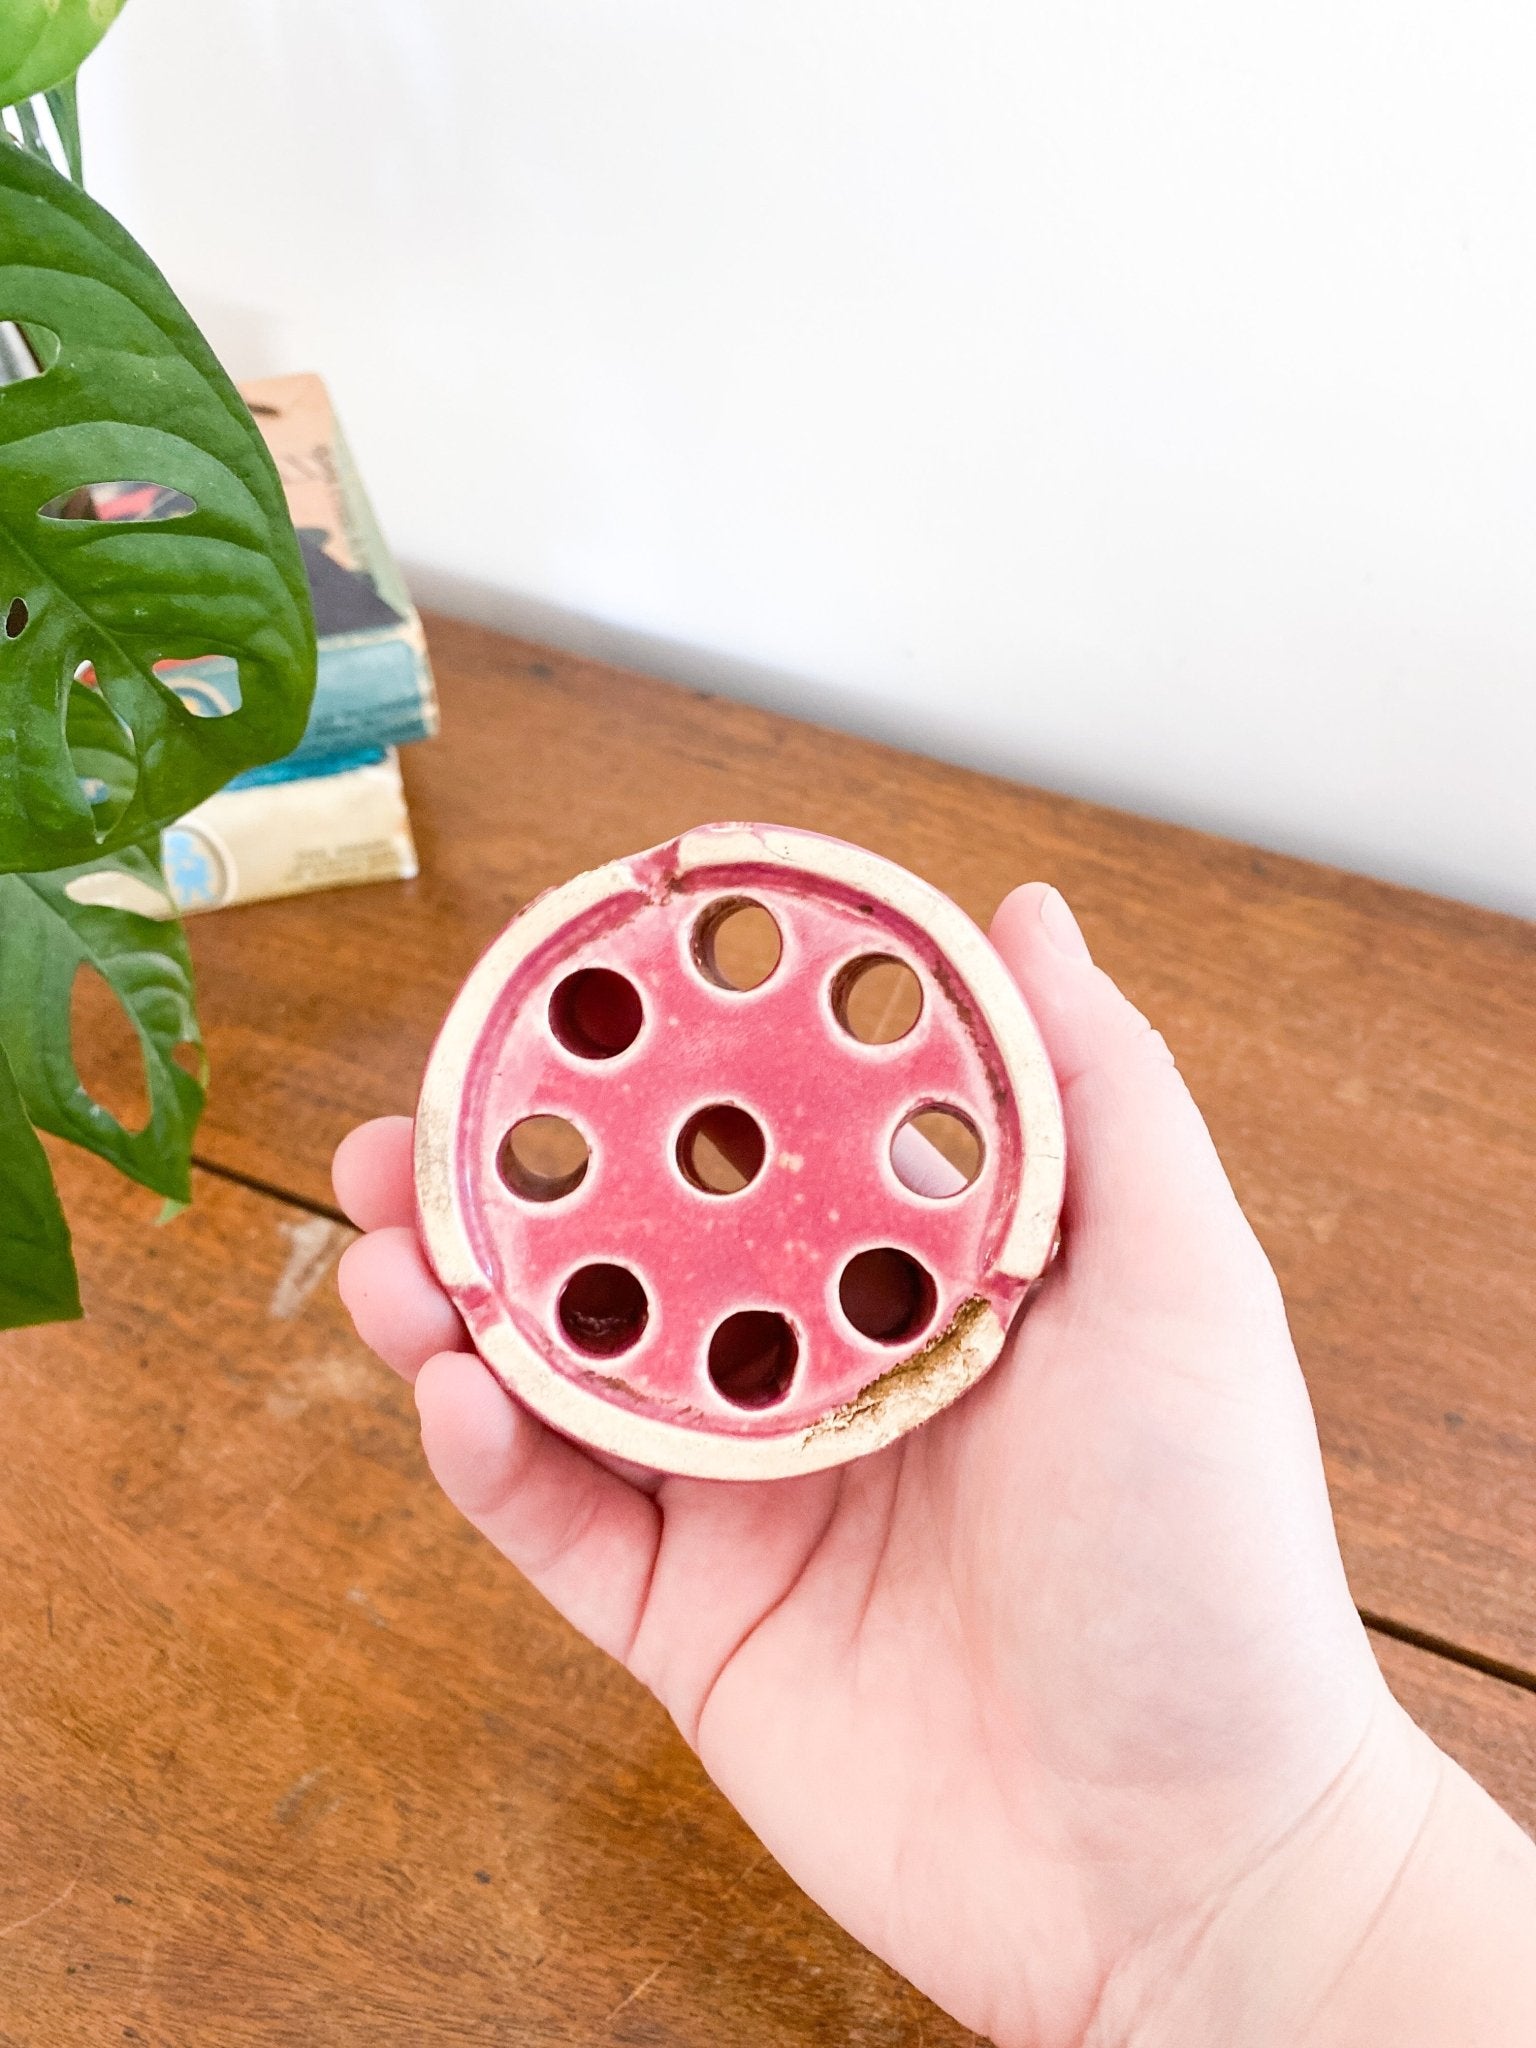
(284, 838)
(374, 679)
(370, 692)
(295, 768)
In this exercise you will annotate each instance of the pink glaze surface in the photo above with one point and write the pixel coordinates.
(828, 1106)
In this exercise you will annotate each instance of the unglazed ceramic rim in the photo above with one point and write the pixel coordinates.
(905, 1393)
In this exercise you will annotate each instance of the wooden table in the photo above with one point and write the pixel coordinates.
(289, 1756)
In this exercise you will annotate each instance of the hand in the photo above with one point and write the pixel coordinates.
(1060, 1704)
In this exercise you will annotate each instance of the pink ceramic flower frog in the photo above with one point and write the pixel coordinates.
(739, 1155)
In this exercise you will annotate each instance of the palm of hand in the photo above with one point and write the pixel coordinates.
(1018, 1695)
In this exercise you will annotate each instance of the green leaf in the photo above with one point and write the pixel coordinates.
(130, 392)
(43, 42)
(63, 104)
(37, 1268)
(31, 130)
(52, 925)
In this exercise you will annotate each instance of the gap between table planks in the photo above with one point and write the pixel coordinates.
(1364, 1054)
(290, 1756)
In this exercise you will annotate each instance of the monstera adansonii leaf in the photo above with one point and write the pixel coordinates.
(37, 1269)
(43, 42)
(93, 607)
(51, 926)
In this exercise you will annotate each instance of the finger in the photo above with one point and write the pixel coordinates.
(395, 1302)
(371, 1173)
(582, 1536)
(1149, 1206)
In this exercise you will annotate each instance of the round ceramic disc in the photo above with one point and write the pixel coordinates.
(738, 1156)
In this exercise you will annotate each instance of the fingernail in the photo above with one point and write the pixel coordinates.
(1061, 927)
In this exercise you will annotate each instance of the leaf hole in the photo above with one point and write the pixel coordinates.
(543, 1158)
(887, 1295)
(192, 1059)
(109, 1060)
(207, 685)
(26, 351)
(119, 890)
(736, 944)
(752, 1358)
(596, 1013)
(103, 749)
(937, 1152)
(17, 617)
(138, 503)
(603, 1310)
(877, 999)
(721, 1149)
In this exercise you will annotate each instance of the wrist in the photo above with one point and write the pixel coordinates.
(1401, 1908)
(1450, 1957)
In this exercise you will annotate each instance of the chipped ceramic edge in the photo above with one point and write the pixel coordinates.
(901, 1396)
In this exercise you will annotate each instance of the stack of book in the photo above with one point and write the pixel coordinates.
(332, 813)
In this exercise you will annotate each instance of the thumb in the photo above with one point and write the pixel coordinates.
(1150, 1219)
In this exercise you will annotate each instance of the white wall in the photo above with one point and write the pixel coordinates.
(1137, 399)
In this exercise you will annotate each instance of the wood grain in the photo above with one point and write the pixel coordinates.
(1364, 1054)
(1487, 1725)
(289, 1756)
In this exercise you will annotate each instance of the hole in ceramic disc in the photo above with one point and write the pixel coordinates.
(887, 1295)
(877, 999)
(937, 1152)
(603, 1310)
(736, 944)
(543, 1158)
(596, 1013)
(721, 1149)
(752, 1357)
